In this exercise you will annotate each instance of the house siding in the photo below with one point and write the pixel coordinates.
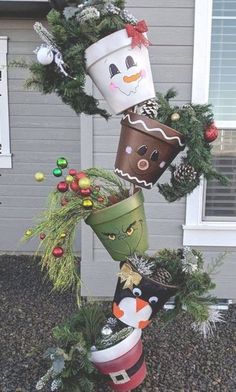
(41, 130)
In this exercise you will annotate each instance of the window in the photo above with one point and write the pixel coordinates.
(5, 156)
(211, 208)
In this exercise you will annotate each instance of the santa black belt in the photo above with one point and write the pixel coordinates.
(124, 376)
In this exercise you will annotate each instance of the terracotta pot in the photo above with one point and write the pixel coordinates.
(138, 298)
(124, 363)
(146, 149)
(123, 75)
(122, 227)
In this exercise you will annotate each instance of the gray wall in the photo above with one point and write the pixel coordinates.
(42, 129)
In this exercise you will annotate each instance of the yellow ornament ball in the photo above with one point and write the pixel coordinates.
(69, 179)
(175, 117)
(39, 176)
(84, 183)
(28, 232)
(63, 235)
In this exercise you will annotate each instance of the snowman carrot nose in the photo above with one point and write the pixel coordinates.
(132, 78)
(140, 304)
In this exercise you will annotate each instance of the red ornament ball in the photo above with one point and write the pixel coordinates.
(58, 252)
(73, 172)
(211, 133)
(85, 192)
(42, 236)
(74, 186)
(80, 175)
(62, 186)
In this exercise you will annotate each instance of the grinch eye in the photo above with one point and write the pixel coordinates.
(129, 61)
(155, 155)
(153, 300)
(113, 70)
(137, 292)
(142, 150)
(111, 237)
(130, 231)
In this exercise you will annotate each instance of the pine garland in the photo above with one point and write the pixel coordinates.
(193, 283)
(193, 120)
(72, 29)
(59, 223)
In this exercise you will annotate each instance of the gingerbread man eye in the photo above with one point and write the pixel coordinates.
(129, 61)
(130, 231)
(113, 70)
(155, 155)
(142, 150)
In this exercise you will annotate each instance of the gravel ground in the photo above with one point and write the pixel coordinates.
(178, 360)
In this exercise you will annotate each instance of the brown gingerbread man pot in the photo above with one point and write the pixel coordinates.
(146, 149)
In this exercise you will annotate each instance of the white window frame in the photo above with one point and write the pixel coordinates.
(5, 154)
(197, 232)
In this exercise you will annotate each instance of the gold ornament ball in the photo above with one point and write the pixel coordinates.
(87, 203)
(69, 179)
(175, 117)
(28, 232)
(84, 183)
(63, 235)
(39, 176)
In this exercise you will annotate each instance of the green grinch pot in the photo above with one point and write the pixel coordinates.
(122, 227)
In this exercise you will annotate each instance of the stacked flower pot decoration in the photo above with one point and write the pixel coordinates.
(117, 60)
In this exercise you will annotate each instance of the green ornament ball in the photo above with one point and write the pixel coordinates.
(62, 163)
(57, 172)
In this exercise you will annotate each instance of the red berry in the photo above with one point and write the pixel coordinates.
(58, 252)
(101, 199)
(42, 236)
(64, 201)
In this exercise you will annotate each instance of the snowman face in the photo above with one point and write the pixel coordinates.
(125, 75)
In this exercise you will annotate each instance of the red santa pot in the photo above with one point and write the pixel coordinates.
(124, 363)
(146, 149)
(121, 72)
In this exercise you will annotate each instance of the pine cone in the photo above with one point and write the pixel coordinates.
(148, 108)
(185, 172)
(162, 276)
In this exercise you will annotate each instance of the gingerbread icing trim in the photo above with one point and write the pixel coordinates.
(127, 116)
(145, 183)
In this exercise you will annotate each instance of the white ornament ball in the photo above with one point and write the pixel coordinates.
(45, 55)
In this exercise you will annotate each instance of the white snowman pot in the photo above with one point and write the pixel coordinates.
(121, 73)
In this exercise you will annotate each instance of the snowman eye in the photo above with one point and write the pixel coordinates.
(129, 61)
(113, 70)
(137, 292)
(142, 150)
(154, 156)
(153, 300)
